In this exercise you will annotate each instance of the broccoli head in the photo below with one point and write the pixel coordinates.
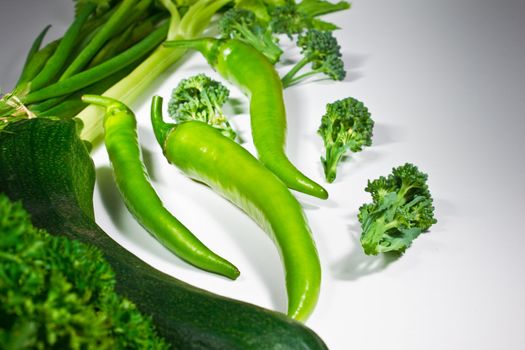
(287, 19)
(321, 50)
(201, 98)
(400, 211)
(346, 126)
(242, 24)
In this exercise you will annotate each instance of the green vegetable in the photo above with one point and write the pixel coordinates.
(101, 71)
(44, 164)
(400, 211)
(314, 8)
(243, 25)
(110, 28)
(68, 65)
(250, 70)
(93, 50)
(56, 293)
(195, 19)
(36, 58)
(120, 136)
(207, 156)
(321, 50)
(55, 63)
(294, 18)
(201, 98)
(67, 106)
(346, 126)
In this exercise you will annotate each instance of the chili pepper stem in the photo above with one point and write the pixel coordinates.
(98, 100)
(206, 46)
(160, 128)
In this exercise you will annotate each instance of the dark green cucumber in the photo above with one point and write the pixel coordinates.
(45, 164)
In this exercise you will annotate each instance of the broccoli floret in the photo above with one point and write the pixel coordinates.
(400, 211)
(286, 19)
(320, 50)
(56, 293)
(345, 126)
(242, 24)
(201, 98)
(291, 18)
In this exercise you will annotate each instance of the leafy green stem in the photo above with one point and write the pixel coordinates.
(195, 20)
(59, 57)
(113, 24)
(101, 71)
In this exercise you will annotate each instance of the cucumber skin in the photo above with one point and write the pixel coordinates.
(44, 164)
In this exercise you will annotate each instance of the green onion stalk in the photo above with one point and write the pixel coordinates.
(191, 25)
(93, 58)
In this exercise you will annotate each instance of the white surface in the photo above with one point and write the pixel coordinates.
(444, 83)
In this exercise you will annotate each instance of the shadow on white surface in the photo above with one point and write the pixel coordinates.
(148, 158)
(352, 65)
(257, 247)
(235, 106)
(355, 163)
(385, 134)
(444, 209)
(110, 195)
(130, 234)
(356, 264)
(313, 203)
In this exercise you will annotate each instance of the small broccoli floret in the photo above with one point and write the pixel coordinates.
(400, 211)
(322, 52)
(56, 293)
(201, 98)
(286, 19)
(345, 126)
(242, 24)
(294, 18)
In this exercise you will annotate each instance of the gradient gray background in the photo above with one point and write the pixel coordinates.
(444, 81)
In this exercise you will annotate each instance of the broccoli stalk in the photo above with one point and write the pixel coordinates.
(400, 211)
(201, 98)
(242, 24)
(56, 293)
(322, 52)
(345, 126)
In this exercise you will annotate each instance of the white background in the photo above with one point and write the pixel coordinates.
(444, 82)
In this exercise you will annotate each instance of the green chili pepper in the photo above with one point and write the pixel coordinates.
(140, 197)
(253, 73)
(205, 155)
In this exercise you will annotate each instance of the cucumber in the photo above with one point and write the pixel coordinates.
(44, 164)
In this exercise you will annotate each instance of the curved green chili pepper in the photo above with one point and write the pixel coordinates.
(140, 197)
(205, 155)
(250, 70)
